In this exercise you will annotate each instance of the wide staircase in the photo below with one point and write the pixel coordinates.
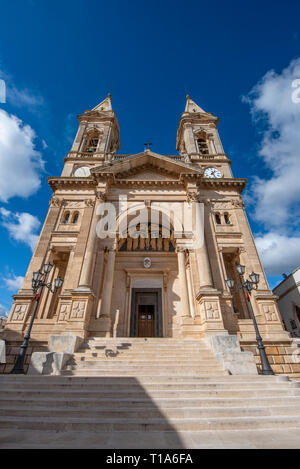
(144, 357)
(148, 393)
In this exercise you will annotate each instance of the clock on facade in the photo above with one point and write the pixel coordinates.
(212, 173)
(82, 172)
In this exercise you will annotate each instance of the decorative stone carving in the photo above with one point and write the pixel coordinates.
(101, 196)
(269, 312)
(222, 205)
(74, 204)
(238, 203)
(194, 197)
(89, 202)
(19, 312)
(78, 309)
(64, 312)
(212, 310)
(56, 202)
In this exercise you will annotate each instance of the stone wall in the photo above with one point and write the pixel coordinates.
(284, 357)
(12, 351)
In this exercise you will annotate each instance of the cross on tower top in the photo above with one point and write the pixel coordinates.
(147, 145)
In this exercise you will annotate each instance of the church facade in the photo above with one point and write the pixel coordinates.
(166, 276)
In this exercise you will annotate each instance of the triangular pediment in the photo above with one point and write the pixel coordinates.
(146, 166)
(105, 105)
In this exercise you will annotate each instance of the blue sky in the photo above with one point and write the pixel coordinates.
(60, 58)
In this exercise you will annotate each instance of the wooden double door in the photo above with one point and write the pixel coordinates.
(146, 313)
(146, 321)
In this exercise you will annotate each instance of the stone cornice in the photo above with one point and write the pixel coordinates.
(147, 183)
(68, 182)
(223, 182)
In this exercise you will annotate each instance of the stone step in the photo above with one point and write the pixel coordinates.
(149, 386)
(147, 349)
(145, 413)
(36, 379)
(89, 372)
(100, 370)
(146, 402)
(146, 340)
(139, 393)
(131, 362)
(147, 355)
(138, 366)
(157, 424)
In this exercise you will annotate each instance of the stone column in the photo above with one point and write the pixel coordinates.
(189, 140)
(108, 284)
(183, 283)
(85, 280)
(190, 290)
(201, 249)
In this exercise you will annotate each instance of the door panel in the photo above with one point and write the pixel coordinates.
(146, 321)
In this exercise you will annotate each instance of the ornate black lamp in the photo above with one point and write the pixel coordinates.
(248, 286)
(38, 283)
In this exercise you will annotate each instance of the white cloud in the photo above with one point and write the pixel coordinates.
(20, 163)
(21, 226)
(20, 97)
(14, 282)
(279, 253)
(277, 198)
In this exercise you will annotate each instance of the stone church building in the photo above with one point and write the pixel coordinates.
(169, 281)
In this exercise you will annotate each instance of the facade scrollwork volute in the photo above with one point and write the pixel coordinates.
(192, 197)
(56, 202)
(101, 196)
(89, 202)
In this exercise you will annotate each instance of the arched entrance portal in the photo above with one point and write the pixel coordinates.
(148, 308)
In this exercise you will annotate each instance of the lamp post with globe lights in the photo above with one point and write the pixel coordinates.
(38, 283)
(249, 285)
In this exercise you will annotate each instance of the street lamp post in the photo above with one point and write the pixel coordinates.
(248, 286)
(38, 283)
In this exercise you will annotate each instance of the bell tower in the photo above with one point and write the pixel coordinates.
(197, 134)
(96, 141)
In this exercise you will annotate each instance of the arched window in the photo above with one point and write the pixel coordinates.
(92, 141)
(75, 217)
(227, 219)
(202, 146)
(218, 219)
(66, 217)
(152, 238)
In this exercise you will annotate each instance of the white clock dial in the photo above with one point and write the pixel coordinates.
(82, 172)
(212, 173)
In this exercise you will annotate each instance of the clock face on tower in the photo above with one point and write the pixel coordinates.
(212, 173)
(82, 172)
